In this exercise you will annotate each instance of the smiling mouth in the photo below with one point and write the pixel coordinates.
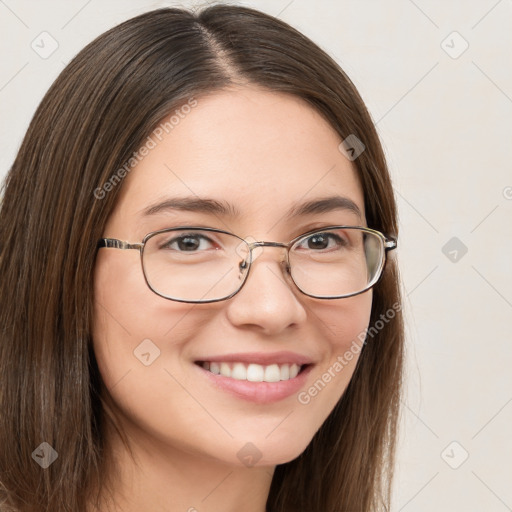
(252, 372)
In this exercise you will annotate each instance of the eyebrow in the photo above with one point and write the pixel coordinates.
(225, 209)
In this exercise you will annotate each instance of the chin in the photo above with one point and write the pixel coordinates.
(268, 453)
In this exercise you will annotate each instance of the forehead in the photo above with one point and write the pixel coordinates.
(258, 150)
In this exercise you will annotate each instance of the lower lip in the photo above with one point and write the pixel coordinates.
(258, 392)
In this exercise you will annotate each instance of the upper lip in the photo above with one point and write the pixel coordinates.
(262, 358)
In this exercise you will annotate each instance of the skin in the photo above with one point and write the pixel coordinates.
(261, 151)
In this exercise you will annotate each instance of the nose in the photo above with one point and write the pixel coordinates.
(268, 300)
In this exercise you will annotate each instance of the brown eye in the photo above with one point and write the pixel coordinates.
(322, 241)
(187, 243)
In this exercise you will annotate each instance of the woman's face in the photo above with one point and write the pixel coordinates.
(262, 154)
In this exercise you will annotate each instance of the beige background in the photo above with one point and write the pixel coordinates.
(444, 113)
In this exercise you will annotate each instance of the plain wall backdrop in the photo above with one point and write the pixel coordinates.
(437, 79)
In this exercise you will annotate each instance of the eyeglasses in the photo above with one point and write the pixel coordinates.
(200, 265)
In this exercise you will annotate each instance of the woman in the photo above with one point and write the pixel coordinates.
(154, 356)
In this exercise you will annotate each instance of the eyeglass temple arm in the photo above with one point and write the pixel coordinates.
(390, 244)
(113, 243)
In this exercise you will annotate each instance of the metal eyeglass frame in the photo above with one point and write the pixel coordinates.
(388, 243)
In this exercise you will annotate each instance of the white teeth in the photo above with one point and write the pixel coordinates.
(253, 372)
(272, 373)
(225, 370)
(239, 372)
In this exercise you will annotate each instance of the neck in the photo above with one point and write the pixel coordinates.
(165, 478)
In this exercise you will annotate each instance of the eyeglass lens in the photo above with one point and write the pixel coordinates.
(199, 265)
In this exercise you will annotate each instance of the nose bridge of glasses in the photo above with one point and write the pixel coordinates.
(254, 246)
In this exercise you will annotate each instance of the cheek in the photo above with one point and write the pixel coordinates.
(136, 337)
(343, 325)
(130, 321)
(344, 321)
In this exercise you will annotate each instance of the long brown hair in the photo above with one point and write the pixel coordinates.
(99, 111)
